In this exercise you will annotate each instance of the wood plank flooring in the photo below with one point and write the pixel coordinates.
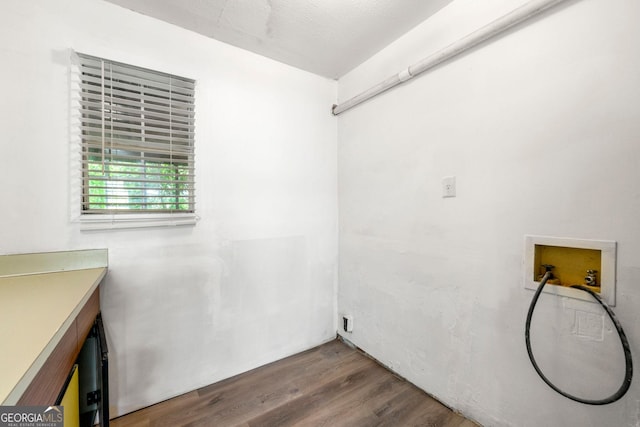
(331, 385)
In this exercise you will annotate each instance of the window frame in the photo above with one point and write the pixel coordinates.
(152, 211)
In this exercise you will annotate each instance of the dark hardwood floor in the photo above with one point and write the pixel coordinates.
(331, 385)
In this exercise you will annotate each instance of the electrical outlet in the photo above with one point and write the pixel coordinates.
(449, 186)
(347, 323)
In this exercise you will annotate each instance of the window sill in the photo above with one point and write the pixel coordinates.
(129, 221)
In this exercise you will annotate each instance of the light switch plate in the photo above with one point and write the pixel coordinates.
(449, 186)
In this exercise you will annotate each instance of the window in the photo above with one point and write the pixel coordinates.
(136, 131)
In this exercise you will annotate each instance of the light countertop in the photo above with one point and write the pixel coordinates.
(35, 312)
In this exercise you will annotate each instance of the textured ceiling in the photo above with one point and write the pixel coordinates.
(326, 37)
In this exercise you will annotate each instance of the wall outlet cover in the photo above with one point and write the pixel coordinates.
(449, 186)
(347, 323)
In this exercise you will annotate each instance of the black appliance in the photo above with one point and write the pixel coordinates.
(93, 376)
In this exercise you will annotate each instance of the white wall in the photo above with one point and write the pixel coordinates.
(541, 128)
(254, 280)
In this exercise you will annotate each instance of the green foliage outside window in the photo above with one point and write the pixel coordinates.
(166, 187)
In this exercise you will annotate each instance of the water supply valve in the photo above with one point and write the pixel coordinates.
(548, 268)
(591, 278)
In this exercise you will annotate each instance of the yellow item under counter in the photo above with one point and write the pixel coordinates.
(71, 401)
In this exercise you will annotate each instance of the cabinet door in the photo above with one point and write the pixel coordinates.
(70, 400)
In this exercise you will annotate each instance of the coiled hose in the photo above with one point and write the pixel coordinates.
(626, 383)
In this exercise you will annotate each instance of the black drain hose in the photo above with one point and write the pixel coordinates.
(626, 383)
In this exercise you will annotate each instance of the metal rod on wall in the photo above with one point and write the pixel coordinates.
(500, 25)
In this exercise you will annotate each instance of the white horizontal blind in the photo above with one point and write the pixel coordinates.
(137, 137)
